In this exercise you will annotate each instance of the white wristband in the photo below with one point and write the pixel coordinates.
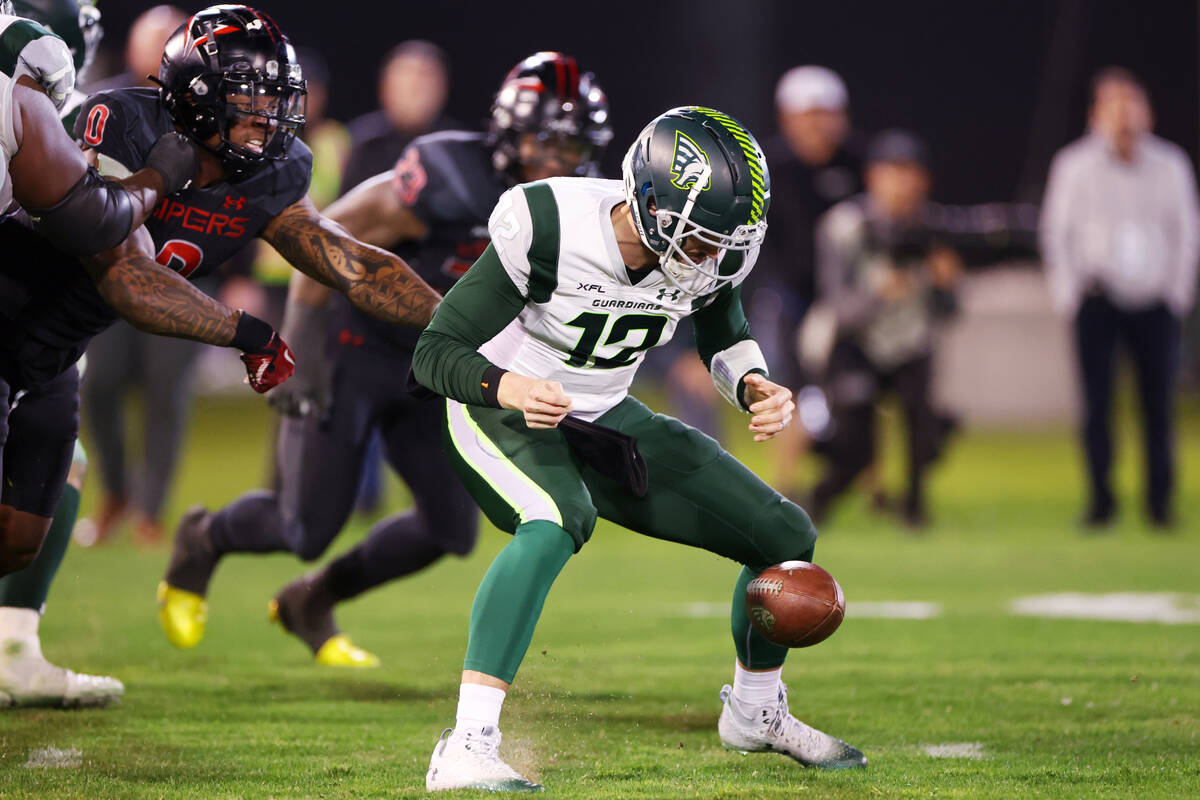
(729, 366)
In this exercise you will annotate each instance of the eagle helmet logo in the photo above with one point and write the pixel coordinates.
(688, 163)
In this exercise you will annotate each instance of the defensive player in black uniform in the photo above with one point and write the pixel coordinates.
(547, 119)
(231, 84)
(230, 80)
(48, 305)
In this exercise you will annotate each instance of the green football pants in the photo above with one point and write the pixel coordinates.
(698, 495)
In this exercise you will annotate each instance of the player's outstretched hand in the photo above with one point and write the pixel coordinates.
(270, 366)
(541, 401)
(268, 359)
(771, 405)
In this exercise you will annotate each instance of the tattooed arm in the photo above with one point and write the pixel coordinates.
(375, 280)
(158, 300)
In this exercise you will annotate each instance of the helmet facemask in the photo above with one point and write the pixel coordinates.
(566, 114)
(231, 82)
(676, 229)
(257, 119)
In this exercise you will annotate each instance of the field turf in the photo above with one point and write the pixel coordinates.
(618, 696)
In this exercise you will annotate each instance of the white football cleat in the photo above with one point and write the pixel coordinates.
(773, 728)
(28, 679)
(469, 758)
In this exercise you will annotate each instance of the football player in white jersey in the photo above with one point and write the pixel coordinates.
(535, 349)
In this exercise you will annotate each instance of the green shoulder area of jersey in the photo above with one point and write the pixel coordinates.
(14, 39)
(544, 249)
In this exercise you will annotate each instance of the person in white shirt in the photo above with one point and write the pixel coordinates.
(1120, 236)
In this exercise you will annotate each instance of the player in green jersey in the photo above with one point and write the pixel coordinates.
(542, 338)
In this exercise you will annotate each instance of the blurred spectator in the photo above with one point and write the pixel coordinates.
(814, 164)
(1120, 242)
(122, 357)
(143, 48)
(414, 82)
(888, 280)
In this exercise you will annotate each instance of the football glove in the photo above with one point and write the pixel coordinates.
(267, 357)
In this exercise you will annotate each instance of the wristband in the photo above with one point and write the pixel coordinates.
(490, 384)
(252, 334)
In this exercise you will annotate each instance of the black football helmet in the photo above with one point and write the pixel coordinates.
(228, 64)
(546, 95)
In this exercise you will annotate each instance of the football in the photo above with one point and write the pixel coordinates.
(795, 604)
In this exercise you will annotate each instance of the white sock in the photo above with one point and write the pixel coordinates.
(19, 623)
(479, 706)
(755, 689)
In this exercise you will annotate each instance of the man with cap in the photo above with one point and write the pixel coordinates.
(814, 164)
(888, 279)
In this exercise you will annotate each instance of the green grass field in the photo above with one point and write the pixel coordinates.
(618, 696)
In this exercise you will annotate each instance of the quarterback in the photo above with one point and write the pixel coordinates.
(535, 349)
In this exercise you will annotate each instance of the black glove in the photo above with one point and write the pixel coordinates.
(613, 454)
(310, 391)
(174, 158)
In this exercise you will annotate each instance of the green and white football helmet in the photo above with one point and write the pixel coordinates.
(695, 172)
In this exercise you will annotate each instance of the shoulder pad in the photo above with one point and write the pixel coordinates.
(122, 124)
(27, 48)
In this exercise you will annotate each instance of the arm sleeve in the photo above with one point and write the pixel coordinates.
(479, 306)
(720, 324)
(1062, 277)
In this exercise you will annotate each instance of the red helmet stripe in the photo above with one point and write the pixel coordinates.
(562, 75)
(268, 23)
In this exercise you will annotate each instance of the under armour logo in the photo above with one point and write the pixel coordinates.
(235, 203)
(663, 293)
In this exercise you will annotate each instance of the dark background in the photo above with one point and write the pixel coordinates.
(995, 86)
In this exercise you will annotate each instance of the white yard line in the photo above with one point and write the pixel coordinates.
(1163, 607)
(53, 757)
(972, 750)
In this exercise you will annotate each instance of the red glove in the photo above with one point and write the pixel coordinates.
(269, 367)
(268, 359)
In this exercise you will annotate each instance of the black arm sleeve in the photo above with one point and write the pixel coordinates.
(94, 216)
(479, 306)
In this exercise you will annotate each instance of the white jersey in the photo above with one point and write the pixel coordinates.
(586, 323)
(27, 48)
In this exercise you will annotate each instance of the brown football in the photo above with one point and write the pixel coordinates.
(795, 604)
